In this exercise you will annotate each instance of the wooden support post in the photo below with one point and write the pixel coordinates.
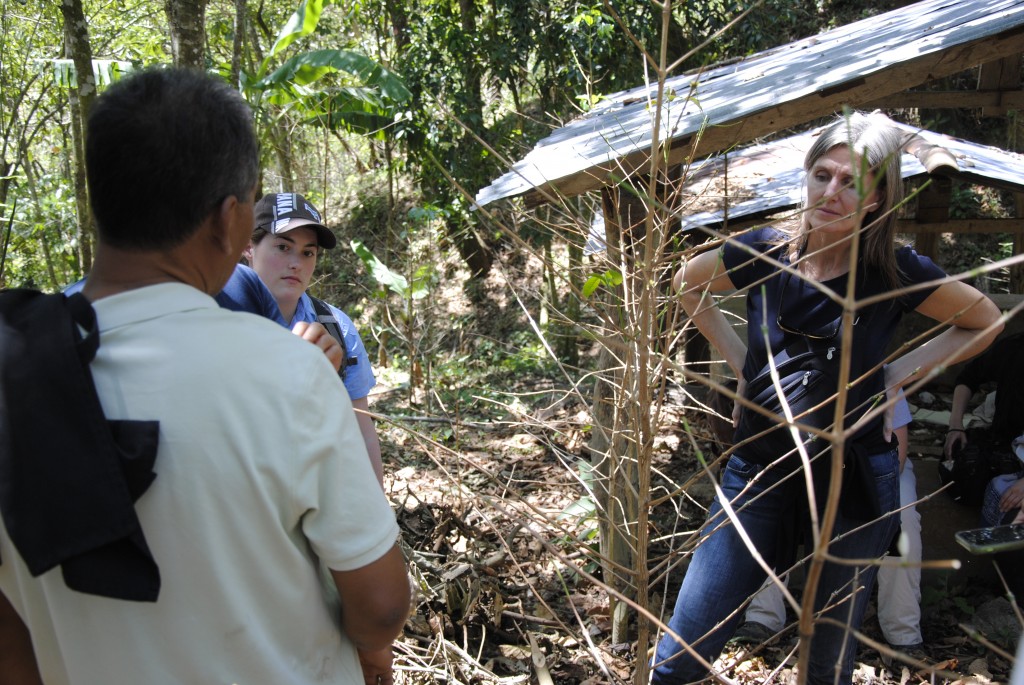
(1015, 133)
(999, 75)
(1017, 270)
(932, 208)
(612, 447)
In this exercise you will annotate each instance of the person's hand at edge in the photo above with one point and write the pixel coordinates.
(1013, 497)
(319, 336)
(376, 666)
(956, 439)
(741, 387)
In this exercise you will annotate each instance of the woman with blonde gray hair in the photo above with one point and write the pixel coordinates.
(795, 282)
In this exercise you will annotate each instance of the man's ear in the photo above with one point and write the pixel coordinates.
(225, 229)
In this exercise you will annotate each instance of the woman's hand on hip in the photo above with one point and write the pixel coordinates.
(741, 387)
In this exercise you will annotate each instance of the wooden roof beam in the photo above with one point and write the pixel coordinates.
(951, 99)
(937, 160)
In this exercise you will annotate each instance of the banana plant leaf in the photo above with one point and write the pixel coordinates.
(302, 23)
(308, 67)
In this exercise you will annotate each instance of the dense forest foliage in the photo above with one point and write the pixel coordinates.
(389, 104)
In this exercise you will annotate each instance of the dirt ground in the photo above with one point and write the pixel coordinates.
(491, 502)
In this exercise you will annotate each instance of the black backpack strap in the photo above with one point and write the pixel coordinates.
(326, 317)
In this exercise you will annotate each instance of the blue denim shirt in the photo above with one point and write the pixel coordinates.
(245, 292)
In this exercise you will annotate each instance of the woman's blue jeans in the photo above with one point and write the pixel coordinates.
(722, 573)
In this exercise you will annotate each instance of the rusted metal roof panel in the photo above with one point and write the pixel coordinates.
(714, 110)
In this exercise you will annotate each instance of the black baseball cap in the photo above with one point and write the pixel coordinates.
(278, 213)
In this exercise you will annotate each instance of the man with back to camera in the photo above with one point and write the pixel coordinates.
(224, 464)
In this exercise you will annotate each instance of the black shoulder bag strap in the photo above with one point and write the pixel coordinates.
(325, 316)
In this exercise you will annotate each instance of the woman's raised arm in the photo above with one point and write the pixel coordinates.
(695, 282)
(975, 323)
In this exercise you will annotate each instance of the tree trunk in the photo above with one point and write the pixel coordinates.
(283, 150)
(82, 95)
(238, 46)
(5, 240)
(471, 247)
(472, 72)
(38, 219)
(1015, 137)
(186, 20)
(399, 23)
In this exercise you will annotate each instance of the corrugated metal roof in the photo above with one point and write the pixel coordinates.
(736, 102)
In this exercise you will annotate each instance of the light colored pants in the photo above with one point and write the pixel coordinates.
(899, 589)
(1017, 676)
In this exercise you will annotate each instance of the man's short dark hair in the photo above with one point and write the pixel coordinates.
(164, 147)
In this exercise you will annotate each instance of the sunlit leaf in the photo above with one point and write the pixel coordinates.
(610, 278)
(379, 270)
(355, 110)
(302, 23)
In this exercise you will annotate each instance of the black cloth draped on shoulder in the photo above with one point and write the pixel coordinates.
(69, 478)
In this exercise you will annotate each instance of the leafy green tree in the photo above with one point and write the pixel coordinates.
(489, 77)
(326, 88)
(37, 238)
